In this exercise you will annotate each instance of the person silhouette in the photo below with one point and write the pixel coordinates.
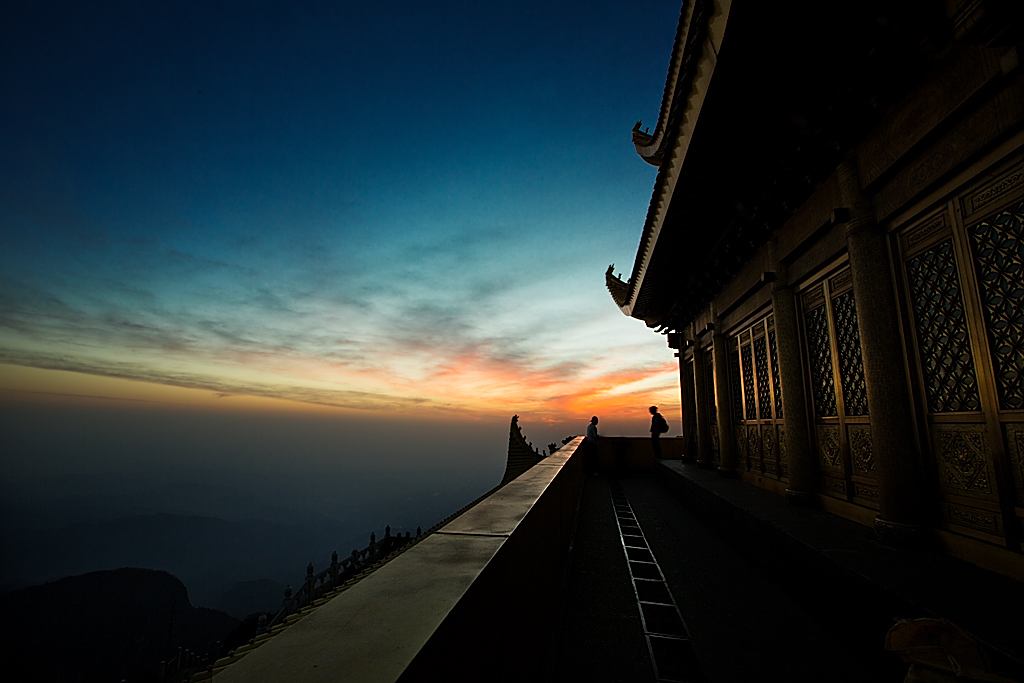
(658, 427)
(590, 446)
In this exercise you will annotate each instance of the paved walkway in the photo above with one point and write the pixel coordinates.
(841, 570)
(600, 637)
(744, 627)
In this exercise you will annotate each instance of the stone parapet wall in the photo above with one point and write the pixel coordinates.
(499, 564)
(625, 454)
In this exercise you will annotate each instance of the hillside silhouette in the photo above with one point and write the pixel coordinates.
(104, 626)
(219, 560)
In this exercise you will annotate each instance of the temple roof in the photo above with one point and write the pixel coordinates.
(756, 112)
(691, 64)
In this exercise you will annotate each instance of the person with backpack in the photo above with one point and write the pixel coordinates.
(658, 427)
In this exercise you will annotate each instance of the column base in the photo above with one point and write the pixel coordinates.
(728, 473)
(705, 464)
(804, 499)
(901, 534)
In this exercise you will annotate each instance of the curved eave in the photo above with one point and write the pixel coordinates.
(675, 131)
(650, 146)
(616, 287)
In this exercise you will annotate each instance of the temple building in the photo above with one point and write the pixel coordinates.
(834, 248)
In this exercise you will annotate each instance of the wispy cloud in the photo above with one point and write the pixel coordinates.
(470, 319)
(419, 332)
(359, 400)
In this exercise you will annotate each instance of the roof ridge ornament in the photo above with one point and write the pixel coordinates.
(616, 286)
(686, 46)
(641, 138)
(521, 453)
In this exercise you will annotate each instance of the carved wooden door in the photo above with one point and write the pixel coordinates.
(963, 279)
(757, 387)
(842, 428)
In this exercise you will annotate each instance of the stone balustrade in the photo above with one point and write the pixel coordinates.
(489, 577)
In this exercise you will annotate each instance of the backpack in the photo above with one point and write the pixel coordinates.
(661, 426)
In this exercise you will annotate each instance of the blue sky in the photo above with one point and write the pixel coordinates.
(368, 206)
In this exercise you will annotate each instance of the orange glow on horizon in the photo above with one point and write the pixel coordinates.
(465, 387)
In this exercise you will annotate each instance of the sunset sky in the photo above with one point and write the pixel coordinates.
(365, 207)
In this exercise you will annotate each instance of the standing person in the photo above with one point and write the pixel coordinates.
(658, 427)
(590, 446)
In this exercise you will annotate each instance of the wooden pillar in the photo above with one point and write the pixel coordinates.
(901, 500)
(726, 443)
(801, 459)
(701, 409)
(686, 391)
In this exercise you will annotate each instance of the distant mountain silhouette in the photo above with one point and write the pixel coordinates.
(246, 597)
(209, 554)
(103, 626)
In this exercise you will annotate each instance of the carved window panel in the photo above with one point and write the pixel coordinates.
(829, 453)
(963, 278)
(750, 406)
(964, 287)
(769, 449)
(819, 348)
(835, 363)
(851, 364)
(820, 337)
(997, 244)
(764, 397)
(862, 458)
(967, 478)
(783, 457)
(757, 364)
(773, 349)
(1015, 448)
(965, 460)
(744, 455)
(752, 436)
(940, 322)
(942, 329)
(993, 219)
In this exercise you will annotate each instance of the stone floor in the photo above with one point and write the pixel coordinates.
(600, 637)
(812, 551)
(752, 612)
